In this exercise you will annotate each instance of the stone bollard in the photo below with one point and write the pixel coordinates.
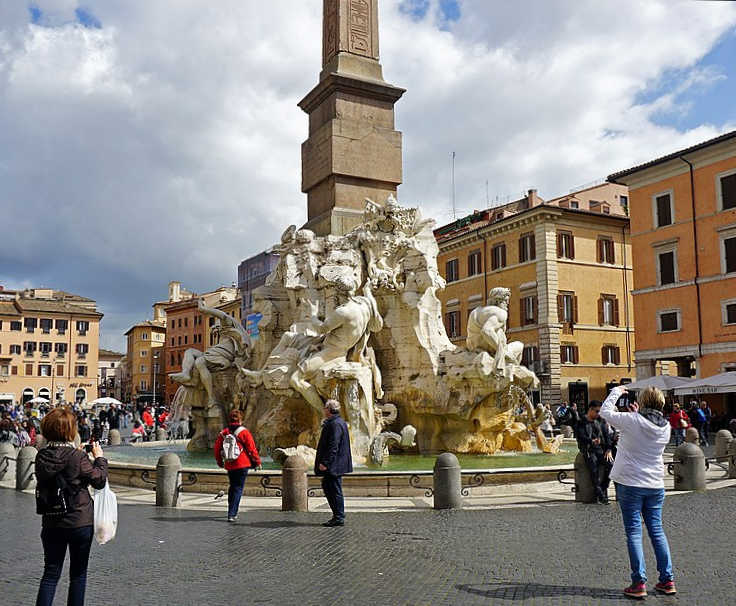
(294, 484)
(167, 480)
(584, 488)
(25, 468)
(447, 482)
(732, 460)
(689, 467)
(723, 440)
(113, 438)
(7, 467)
(161, 435)
(692, 436)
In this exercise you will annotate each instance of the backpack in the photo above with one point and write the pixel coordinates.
(54, 500)
(231, 446)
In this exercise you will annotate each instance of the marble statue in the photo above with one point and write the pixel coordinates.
(198, 391)
(356, 317)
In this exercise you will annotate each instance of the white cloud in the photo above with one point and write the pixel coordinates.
(167, 143)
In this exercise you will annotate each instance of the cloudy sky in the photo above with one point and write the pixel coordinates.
(143, 141)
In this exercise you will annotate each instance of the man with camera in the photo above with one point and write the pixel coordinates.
(595, 443)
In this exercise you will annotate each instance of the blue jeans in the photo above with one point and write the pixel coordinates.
(235, 492)
(679, 435)
(636, 503)
(332, 487)
(55, 542)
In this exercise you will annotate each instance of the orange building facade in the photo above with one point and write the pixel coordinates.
(683, 224)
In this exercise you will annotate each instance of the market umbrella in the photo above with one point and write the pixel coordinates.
(38, 400)
(662, 382)
(104, 402)
(721, 383)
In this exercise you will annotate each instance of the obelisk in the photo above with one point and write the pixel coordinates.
(353, 151)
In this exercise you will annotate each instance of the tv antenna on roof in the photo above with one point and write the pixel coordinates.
(454, 210)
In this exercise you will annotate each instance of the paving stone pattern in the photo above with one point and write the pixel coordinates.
(564, 554)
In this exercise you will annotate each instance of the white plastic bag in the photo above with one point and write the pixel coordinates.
(106, 514)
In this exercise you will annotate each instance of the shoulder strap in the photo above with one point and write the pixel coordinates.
(239, 430)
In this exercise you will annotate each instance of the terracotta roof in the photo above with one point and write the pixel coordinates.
(45, 305)
(107, 353)
(146, 324)
(475, 226)
(674, 155)
(7, 308)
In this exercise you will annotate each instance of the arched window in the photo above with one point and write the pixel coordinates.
(80, 395)
(27, 394)
(44, 393)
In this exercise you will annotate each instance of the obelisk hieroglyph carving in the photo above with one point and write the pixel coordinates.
(353, 151)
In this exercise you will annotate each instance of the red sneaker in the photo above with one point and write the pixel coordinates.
(637, 591)
(668, 587)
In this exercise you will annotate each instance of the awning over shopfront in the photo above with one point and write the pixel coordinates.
(663, 382)
(722, 383)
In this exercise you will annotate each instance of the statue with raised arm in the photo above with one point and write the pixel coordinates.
(233, 347)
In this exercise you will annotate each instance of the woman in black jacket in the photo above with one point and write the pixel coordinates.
(74, 527)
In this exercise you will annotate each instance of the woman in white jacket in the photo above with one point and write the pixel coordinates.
(638, 474)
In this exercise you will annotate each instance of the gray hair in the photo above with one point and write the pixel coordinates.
(333, 406)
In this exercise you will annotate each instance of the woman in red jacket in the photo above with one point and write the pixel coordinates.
(237, 468)
(679, 422)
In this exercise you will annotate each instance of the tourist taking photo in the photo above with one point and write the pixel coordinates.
(638, 474)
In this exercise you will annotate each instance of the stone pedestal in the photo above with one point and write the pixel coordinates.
(732, 460)
(7, 467)
(689, 467)
(167, 480)
(114, 438)
(25, 478)
(723, 441)
(447, 481)
(584, 488)
(294, 485)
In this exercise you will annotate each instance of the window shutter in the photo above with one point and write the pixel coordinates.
(535, 307)
(572, 246)
(601, 318)
(617, 355)
(615, 313)
(522, 251)
(503, 255)
(532, 248)
(601, 244)
(612, 247)
(560, 303)
(575, 309)
(562, 354)
(575, 356)
(522, 312)
(559, 245)
(603, 355)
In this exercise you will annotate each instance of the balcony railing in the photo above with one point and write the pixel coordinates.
(61, 331)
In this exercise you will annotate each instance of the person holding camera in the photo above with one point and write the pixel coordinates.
(638, 474)
(63, 473)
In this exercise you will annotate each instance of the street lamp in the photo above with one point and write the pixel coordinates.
(155, 372)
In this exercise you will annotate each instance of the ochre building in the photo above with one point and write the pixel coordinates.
(567, 262)
(683, 233)
(144, 361)
(187, 327)
(49, 343)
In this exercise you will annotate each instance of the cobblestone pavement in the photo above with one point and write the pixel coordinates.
(567, 554)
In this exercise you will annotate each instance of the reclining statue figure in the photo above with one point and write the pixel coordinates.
(198, 366)
(344, 335)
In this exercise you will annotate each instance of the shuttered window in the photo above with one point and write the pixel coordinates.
(451, 274)
(474, 263)
(569, 354)
(608, 312)
(567, 308)
(666, 268)
(606, 251)
(527, 248)
(498, 256)
(565, 245)
(610, 354)
(663, 206)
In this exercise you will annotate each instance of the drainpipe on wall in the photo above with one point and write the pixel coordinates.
(695, 248)
(485, 273)
(626, 301)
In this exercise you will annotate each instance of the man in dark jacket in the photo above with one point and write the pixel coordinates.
(594, 441)
(333, 460)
